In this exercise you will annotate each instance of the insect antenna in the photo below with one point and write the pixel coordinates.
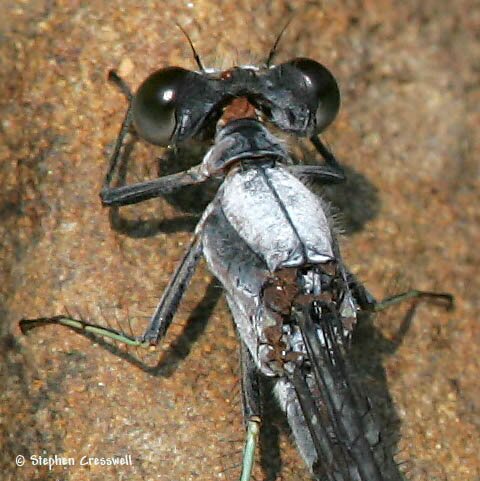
(273, 50)
(195, 54)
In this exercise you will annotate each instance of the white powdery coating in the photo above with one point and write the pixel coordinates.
(280, 233)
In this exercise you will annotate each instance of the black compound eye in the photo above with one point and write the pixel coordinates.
(154, 106)
(322, 90)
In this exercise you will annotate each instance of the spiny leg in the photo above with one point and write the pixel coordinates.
(443, 298)
(179, 282)
(322, 173)
(134, 193)
(251, 409)
(163, 315)
(124, 129)
(367, 302)
(80, 325)
(160, 320)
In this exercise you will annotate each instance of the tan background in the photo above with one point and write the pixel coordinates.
(408, 73)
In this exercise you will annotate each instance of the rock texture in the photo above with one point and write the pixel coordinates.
(408, 72)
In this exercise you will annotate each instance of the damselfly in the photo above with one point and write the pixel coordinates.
(270, 242)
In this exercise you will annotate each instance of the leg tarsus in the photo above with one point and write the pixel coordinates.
(82, 326)
(253, 431)
(367, 301)
(442, 297)
(161, 319)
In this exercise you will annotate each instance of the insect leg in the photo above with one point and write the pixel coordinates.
(121, 84)
(80, 325)
(166, 308)
(124, 129)
(368, 303)
(328, 156)
(323, 173)
(442, 297)
(251, 409)
(161, 318)
(134, 193)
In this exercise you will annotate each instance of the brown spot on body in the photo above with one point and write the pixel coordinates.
(238, 108)
(280, 293)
